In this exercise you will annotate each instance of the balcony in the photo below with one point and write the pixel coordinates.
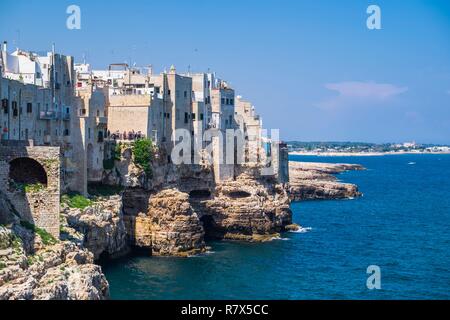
(47, 115)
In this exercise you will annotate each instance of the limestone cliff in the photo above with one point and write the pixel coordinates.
(247, 208)
(169, 227)
(99, 228)
(311, 180)
(35, 266)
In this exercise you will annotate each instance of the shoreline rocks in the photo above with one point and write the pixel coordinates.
(32, 269)
(314, 180)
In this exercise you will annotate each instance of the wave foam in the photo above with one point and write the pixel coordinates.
(302, 230)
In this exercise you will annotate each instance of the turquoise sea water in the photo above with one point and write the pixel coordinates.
(401, 224)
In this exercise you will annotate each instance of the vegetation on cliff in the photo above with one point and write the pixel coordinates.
(143, 152)
(76, 200)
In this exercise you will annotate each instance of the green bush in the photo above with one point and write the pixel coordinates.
(116, 152)
(76, 200)
(27, 187)
(46, 237)
(143, 154)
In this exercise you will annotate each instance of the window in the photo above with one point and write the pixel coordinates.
(29, 107)
(5, 106)
(228, 101)
(223, 100)
(185, 94)
(89, 133)
(193, 116)
(14, 108)
(201, 116)
(186, 117)
(232, 101)
(168, 92)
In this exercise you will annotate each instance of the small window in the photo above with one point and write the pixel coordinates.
(5, 106)
(186, 117)
(185, 94)
(223, 100)
(232, 101)
(201, 116)
(29, 107)
(168, 92)
(193, 116)
(14, 108)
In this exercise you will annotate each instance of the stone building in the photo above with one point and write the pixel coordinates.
(30, 179)
(36, 94)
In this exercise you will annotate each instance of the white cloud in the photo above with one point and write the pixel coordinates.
(350, 92)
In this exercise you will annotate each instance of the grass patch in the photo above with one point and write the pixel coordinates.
(27, 187)
(46, 237)
(76, 200)
(143, 154)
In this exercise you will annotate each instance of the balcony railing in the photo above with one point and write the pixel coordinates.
(47, 115)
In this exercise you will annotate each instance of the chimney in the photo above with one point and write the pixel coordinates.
(5, 46)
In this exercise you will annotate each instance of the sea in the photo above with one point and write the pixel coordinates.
(400, 228)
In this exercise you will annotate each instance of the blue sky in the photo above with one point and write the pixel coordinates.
(312, 68)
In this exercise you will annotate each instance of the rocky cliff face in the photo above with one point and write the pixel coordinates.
(310, 180)
(34, 267)
(248, 208)
(99, 228)
(167, 226)
(191, 206)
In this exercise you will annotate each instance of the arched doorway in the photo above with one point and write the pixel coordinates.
(27, 171)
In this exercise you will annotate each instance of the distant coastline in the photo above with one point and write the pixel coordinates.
(360, 154)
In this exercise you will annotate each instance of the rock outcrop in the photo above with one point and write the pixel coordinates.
(169, 227)
(313, 180)
(99, 228)
(249, 208)
(32, 268)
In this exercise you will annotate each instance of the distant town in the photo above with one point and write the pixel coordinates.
(362, 148)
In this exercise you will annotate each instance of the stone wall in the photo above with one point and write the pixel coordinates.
(41, 206)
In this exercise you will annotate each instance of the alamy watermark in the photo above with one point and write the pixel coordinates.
(226, 147)
(73, 21)
(374, 279)
(374, 20)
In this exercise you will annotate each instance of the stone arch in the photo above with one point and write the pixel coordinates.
(27, 171)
